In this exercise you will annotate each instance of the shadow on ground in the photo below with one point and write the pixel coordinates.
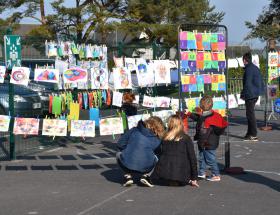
(251, 177)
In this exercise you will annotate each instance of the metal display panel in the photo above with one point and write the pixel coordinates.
(223, 152)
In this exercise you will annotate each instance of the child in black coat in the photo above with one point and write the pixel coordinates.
(177, 164)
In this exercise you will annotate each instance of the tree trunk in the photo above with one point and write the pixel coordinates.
(42, 11)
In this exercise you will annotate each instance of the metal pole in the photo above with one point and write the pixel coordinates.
(227, 154)
(266, 81)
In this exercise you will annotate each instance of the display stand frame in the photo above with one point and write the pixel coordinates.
(202, 27)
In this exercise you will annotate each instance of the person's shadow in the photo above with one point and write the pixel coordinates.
(113, 175)
(251, 177)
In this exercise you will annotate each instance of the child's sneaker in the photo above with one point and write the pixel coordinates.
(214, 178)
(201, 176)
(145, 179)
(128, 180)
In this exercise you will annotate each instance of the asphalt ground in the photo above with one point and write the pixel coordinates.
(83, 178)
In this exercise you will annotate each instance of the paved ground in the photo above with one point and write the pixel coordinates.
(84, 179)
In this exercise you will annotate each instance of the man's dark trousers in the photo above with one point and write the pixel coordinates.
(251, 118)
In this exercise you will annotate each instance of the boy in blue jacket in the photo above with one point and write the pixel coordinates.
(138, 146)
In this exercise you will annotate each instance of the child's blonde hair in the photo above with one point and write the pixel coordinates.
(175, 129)
(206, 103)
(156, 125)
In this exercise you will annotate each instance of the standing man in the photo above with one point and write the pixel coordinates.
(253, 87)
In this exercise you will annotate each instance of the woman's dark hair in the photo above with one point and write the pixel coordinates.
(247, 57)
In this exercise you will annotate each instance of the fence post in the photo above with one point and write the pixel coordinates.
(120, 49)
(11, 110)
(154, 47)
(227, 154)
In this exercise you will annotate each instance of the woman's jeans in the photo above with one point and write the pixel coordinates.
(208, 157)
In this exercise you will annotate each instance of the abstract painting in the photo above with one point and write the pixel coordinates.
(133, 120)
(74, 75)
(163, 102)
(54, 127)
(145, 73)
(149, 101)
(111, 126)
(46, 75)
(162, 72)
(82, 128)
(122, 78)
(26, 126)
(4, 123)
(20, 75)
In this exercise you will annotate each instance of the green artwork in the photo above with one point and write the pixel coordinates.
(200, 87)
(190, 36)
(207, 64)
(214, 38)
(215, 86)
(192, 56)
(215, 65)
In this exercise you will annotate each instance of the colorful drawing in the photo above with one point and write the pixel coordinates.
(145, 73)
(191, 104)
(232, 103)
(163, 114)
(46, 75)
(206, 41)
(117, 99)
(199, 44)
(82, 128)
(219, 103)
(272, 73)
(185, 88)
(133, 120)
(193, 88)
(183, 35)
(54, 127)
(200, 87)
(130, 64)
(215, 86)
(184, 55)
(162, 71)
(185, 79)
(191, 41)
(26, 126)
(20, 75)
(149, 101)
(74, 75)
(4, 123)
(2, 73)
(221, 42)
(122, 78)
(111, 126)
(273, 59)
(99, 78)
(272, 91)
(207, 79)
(174, 104)
(162, 102)
(118, 62)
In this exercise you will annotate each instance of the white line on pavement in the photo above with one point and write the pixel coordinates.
(54, 150)
(260, 171)
(105, 201)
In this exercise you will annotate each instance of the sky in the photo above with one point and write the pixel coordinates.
(236, 13)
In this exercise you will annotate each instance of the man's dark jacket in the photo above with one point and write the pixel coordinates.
(253, 85)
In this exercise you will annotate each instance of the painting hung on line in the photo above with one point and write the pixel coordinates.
(20, 76)
(54, 127)
(82, 128)
(26, 126)
(4, 123)
(111, 126)
(46, 75)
